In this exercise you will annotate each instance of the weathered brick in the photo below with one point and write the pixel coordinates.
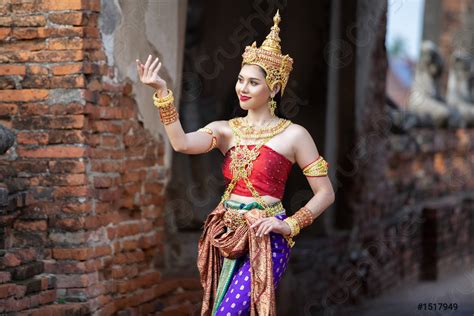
(62, 31)
(24, 33)
(8, 109)
(33, 82)
(68, 82)
(31, 45)
(95, 55)
(76, 191)
(52, 152)
(42, 56)
(129, 257)
(5, 32)
(24, 7)
(29, 20)
(93, 222)
(6, 70)
(103, 182)
(101, 251)
(26, 254)
(133, 175)
(65, 43)
(65, 267)
(77, 208)
(24, 95)
(68, 224)
(66, 69)
(32, 138)
(67, 166)
(37, 70)
(66, 137)
(27, 270)
(108, 194)
(102, 153)
(5, 276)
(31, 225)
(10, 260)
(49, 122)
(106, 113)
(64, 109)
(7, 290)
(93, 140)
(6, 123)
(72, 280)
(31, 166)
(106, 126)
(30, 109)
(52, 5)
(7, 83)
(73, 253)
(6, 20)
(68, 18)
(58, 180)
(107, 166)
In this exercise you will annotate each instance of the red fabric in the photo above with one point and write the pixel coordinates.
(269, 173)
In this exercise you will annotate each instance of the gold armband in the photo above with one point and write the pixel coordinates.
(317, 168)
(214, 138)
(301, 219)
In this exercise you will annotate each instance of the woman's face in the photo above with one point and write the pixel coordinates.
(251, 88)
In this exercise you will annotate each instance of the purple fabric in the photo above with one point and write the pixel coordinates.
(237, 298)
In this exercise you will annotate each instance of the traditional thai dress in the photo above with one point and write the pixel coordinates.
(240, 271)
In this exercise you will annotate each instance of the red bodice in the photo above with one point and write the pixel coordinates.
(269, 173)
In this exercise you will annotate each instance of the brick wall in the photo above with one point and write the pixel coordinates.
(423, 228)
(85, 234)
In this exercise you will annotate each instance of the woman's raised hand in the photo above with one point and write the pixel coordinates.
(148, 73)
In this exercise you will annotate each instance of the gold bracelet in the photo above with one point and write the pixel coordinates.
(301, 219)
(294, 228)
(168, 115)
(165, 101)
(304, 217)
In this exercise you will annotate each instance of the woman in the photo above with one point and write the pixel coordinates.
(246, 241)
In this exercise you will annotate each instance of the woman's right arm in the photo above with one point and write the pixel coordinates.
(189, 143)
(196, 142)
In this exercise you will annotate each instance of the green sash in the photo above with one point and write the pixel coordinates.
(227, 271)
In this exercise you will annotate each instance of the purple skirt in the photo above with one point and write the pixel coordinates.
(236, 300)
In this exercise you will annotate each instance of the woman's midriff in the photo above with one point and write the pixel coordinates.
(249, 199)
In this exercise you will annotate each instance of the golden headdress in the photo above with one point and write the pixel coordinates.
(269, 57)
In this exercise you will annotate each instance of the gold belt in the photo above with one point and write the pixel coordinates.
(234, 218)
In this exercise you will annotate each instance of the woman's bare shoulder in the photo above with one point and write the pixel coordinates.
(295, 131)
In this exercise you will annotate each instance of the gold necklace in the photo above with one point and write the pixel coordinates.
(243, 130)
(242, 156)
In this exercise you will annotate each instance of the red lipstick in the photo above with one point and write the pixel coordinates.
(244, 98)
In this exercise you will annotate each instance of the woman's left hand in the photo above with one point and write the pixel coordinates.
(266, 225)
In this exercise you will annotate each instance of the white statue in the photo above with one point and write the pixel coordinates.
(425, 99)
(460, 86)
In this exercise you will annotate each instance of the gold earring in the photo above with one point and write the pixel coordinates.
(272, 105)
